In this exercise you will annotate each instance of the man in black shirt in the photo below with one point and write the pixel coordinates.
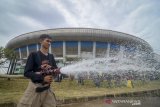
(38, 92)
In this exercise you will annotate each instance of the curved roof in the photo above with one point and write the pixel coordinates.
(77, 34)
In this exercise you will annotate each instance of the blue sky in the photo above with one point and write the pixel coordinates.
(136, 17)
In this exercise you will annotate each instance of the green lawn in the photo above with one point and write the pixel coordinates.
(12, 90)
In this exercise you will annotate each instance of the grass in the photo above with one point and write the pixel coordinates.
(12, 90)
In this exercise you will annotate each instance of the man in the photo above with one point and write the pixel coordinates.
(38, 92)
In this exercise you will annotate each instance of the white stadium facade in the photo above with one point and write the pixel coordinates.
(72, 43)
(80, 42)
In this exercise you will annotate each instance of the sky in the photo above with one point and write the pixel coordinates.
(140, 18)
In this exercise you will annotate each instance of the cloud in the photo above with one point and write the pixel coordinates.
(32, 23)
(20, 16)
(140, 18)
(144, 22)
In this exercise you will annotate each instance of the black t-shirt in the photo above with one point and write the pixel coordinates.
(34, 62)
(44, 57)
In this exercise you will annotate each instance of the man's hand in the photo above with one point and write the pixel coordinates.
(57, 71)
(48, 79)
(45, 66)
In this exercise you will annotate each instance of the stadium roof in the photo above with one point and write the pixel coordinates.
(77, 34)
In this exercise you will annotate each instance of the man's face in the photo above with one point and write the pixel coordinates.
(46, 43)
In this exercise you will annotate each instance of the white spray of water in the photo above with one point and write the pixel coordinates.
(107, 65)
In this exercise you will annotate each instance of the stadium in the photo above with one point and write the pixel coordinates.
(81, 43)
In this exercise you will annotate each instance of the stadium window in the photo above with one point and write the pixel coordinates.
(23, 52)
(71, 47)
(101, 48)
(114, 50)
(32, 48)
(57, 48)
(86, 46)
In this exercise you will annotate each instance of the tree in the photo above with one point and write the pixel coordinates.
(9, 53)
(2, 55)
(6, 54)
(1, 52)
